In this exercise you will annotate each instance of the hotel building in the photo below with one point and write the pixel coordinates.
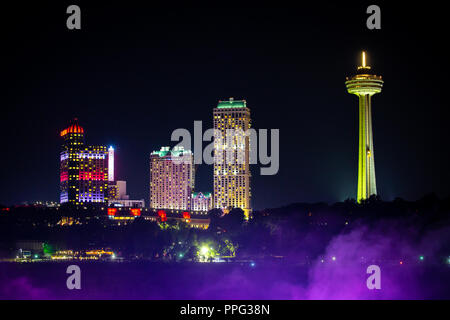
(171, 179)
(201, 202)
(231, 156)
(83, 169)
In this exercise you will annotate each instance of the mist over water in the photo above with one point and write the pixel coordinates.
(387, 244)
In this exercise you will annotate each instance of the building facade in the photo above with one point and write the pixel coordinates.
(172, 179)
(364, 85)
(83, 169)
(231, 156)
(127, 203)
(201, 202)
(121, 198)
(112, 191)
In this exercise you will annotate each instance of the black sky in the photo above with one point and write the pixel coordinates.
(135, 73)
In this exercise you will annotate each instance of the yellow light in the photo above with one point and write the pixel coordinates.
(363, 59)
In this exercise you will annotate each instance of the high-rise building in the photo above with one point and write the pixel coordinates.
(364, 85)
(83, 169)
(231, 156)
(172, 181)
(201, 201)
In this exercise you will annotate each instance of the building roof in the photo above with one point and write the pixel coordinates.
(73, 128)
(205, 194)
(176, 152)
(232, 104)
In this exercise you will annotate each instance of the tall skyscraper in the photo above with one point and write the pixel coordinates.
(231, 156)
(172, 181)
(83, 169)
(365, 84)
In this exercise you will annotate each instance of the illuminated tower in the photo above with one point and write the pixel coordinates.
(111, 164)
(73, 142)
(365, 84)
(83, 169)
(231, 156)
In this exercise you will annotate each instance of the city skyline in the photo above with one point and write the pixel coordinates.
(163, 151)
(132, 94)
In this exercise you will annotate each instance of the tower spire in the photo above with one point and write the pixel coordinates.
(363, 61)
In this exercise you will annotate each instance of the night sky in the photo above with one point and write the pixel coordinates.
(133, 74)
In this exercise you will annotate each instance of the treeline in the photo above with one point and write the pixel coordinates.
(297, 232)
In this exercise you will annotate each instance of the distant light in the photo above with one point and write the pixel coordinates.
(448, 260)
(421, 258)
(180, 255)
(204, 250)
(333, 258)
(322, 261)
(111, 148)
(36, 256)
(401, 262)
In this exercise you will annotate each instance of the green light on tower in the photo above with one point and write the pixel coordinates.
(364, 85)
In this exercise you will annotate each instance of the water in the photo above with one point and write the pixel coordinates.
(152, 280)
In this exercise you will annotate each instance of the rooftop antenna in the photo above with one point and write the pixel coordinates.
(363, 61)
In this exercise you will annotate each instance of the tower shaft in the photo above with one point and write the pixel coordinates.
(366, 161)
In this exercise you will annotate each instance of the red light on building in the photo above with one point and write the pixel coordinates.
(64, 176)
(91, 175)
(75, 128)
(136, 212)
(186, 215)
(162, 214)
(112, 211)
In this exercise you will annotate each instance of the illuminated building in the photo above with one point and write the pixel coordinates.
(111, 164)
(112, 191)
(83, 169)
(232, 171)
(112, 186)
(201, 201)
(122, 190)
(171, 178)
(127, 203)
(117, 191)
(127, 214)
(365, 84)
(121, 198)
(193, 222)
